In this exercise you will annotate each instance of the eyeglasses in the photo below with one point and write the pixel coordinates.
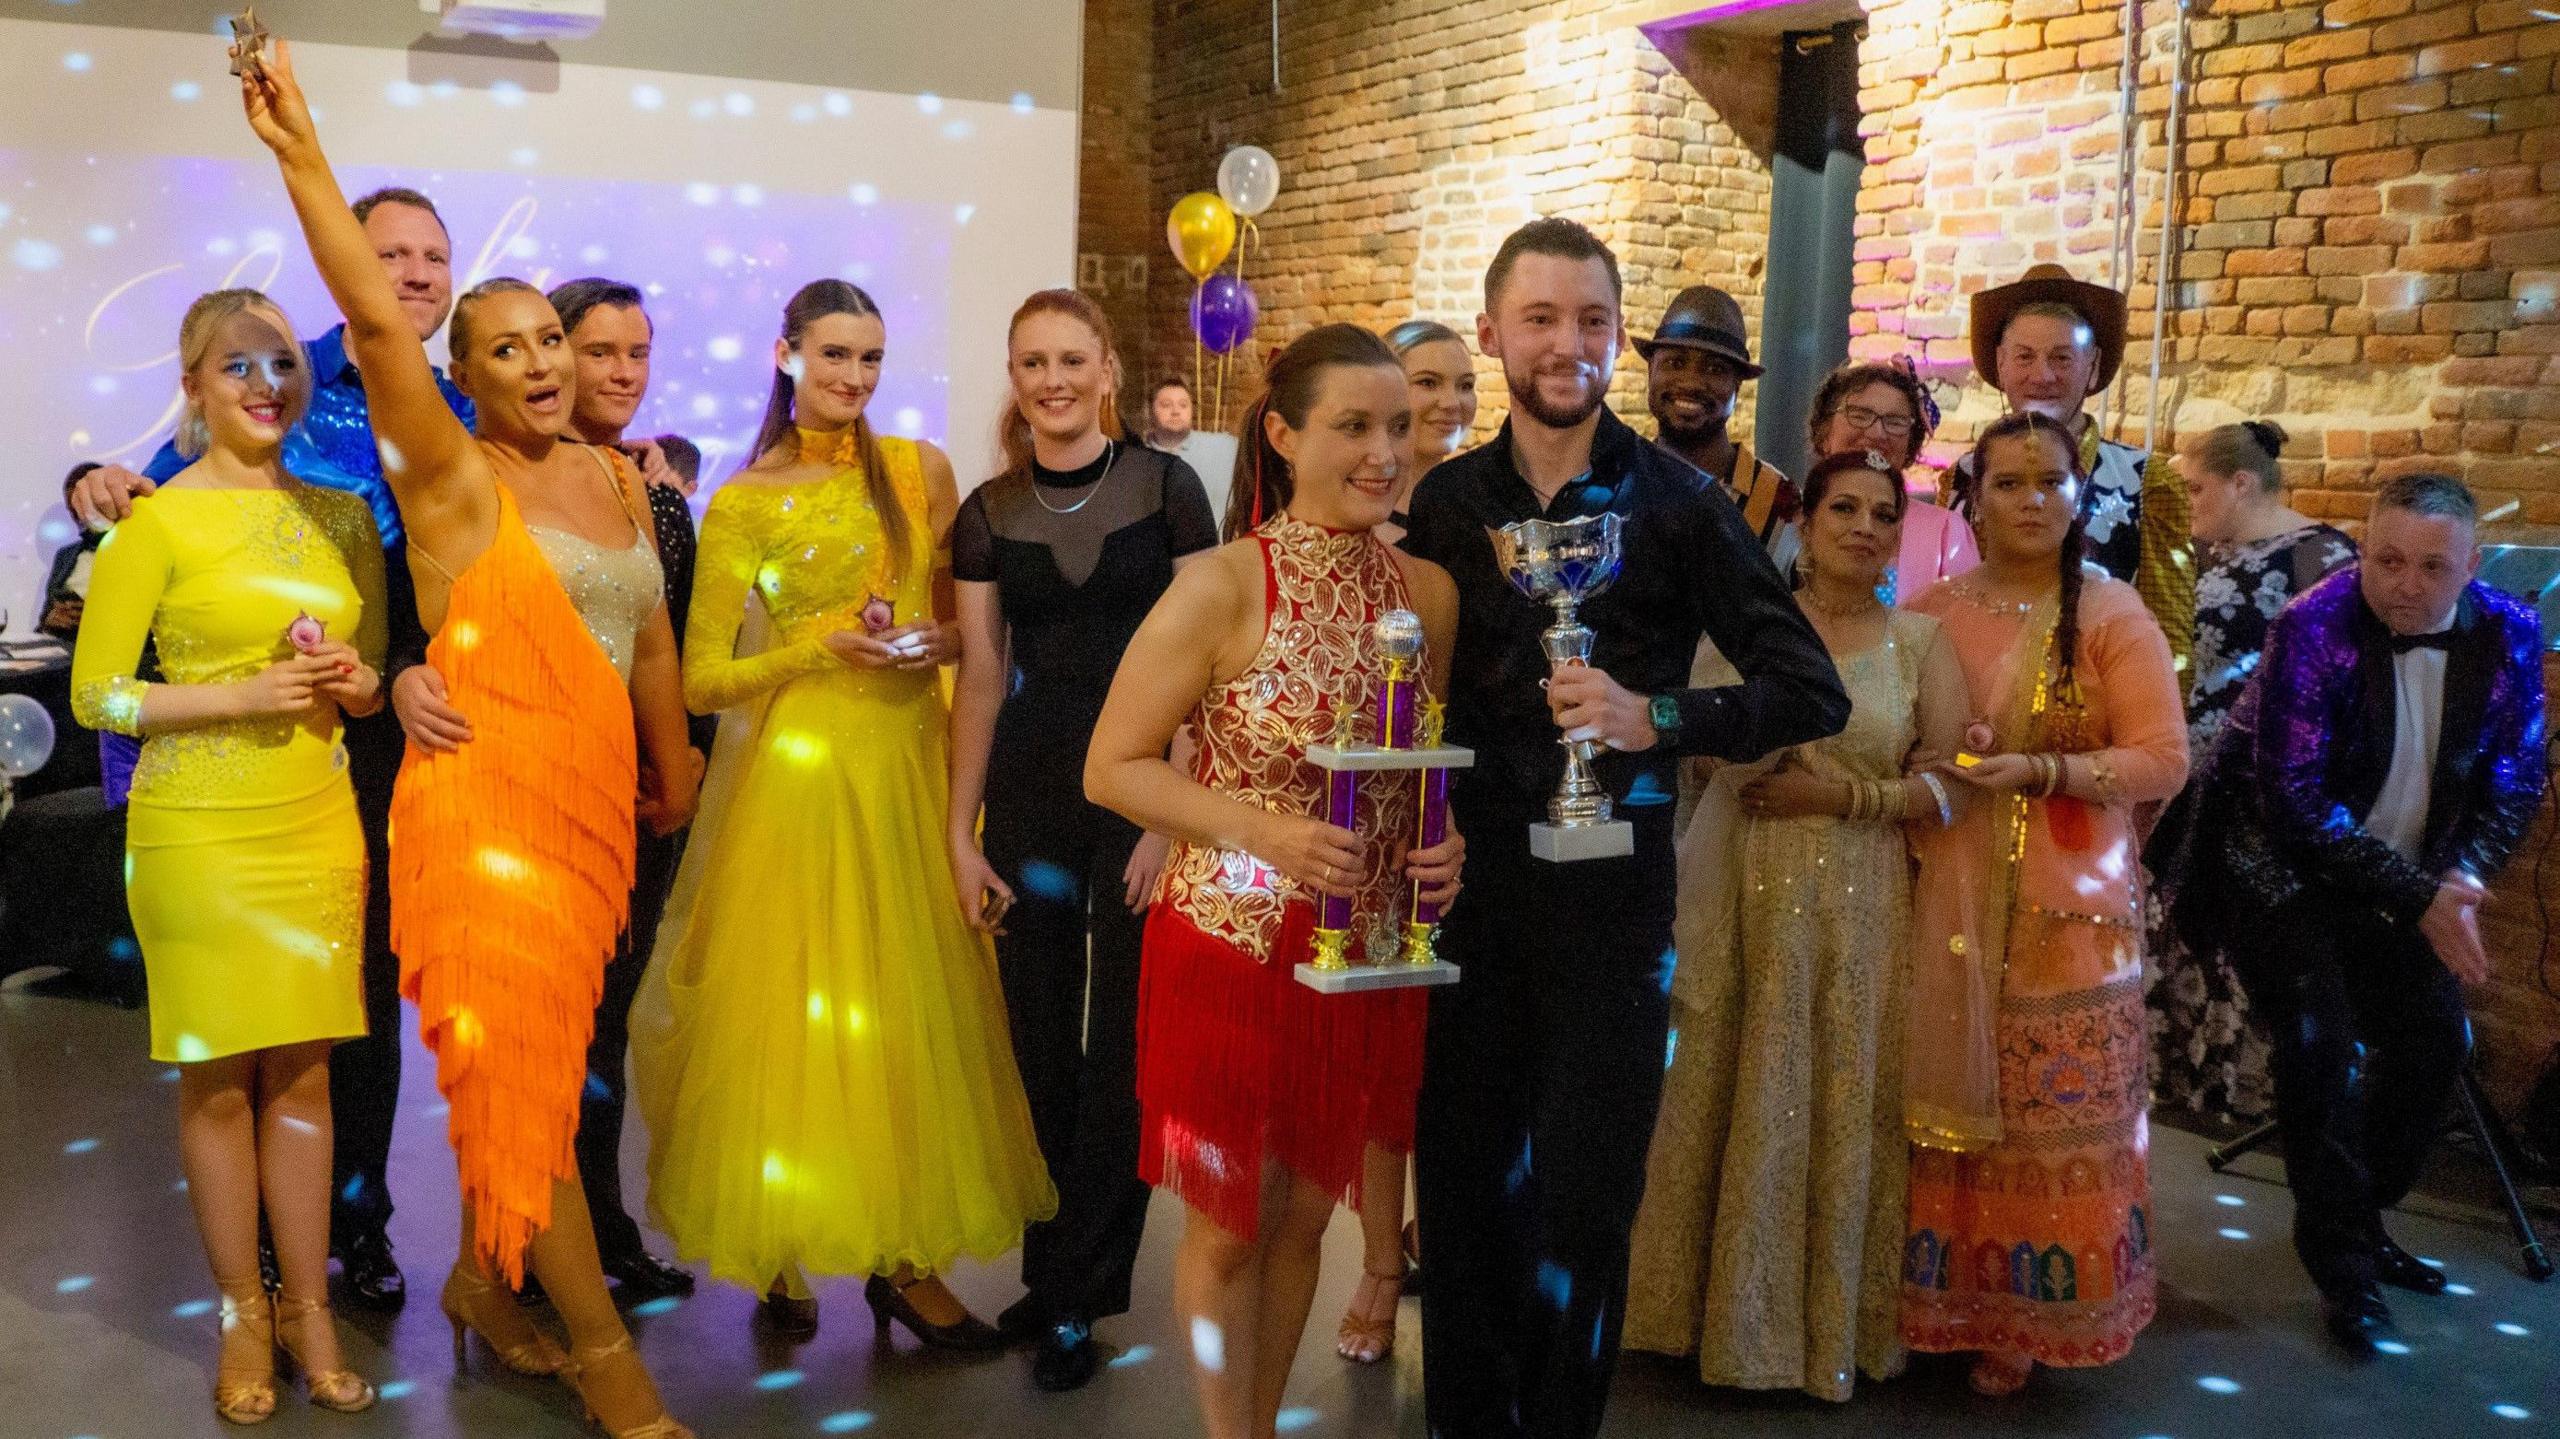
(1862, 418)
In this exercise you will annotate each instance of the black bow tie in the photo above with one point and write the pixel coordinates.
(2440, 640)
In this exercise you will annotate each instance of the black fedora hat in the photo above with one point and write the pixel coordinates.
(1703, 317)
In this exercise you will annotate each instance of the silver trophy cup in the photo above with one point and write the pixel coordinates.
(1562, 564)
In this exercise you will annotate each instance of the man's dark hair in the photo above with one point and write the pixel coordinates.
(1549, 235)
(1169, 382)
(574, 299)
(2429, 494)
(683, 456)
(398, 195)
(78, 473)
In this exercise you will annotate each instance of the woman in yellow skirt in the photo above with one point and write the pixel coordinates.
(820, 1046)
(245, 870)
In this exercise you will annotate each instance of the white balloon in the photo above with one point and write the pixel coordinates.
(26, 736)
(1248, 179)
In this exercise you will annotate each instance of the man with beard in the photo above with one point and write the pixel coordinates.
(1543, 1067)
(334, 446)
(1694, 368)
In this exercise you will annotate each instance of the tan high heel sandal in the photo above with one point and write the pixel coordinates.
(1366, 1340)
(581, 1366)
(475, 1305)
(341, 1391)
(241, 1395)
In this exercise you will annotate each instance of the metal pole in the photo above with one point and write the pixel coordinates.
(2164, 271)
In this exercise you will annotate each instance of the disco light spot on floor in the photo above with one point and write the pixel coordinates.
(2389, 1346)
(80, 1146)
(656, 1307)
(846, 1421)
(2460, 1291)
(2514, 1331)
(2216, 1384)
(396, 1389)
(1133, 1356)
(780, 1379)
(2229, 1201)
(1290, 1421)
(2233, 1233)
(192, 1309)
(2511, 1411)
(76, 1284)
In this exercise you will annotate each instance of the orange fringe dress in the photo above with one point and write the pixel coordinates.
(1237, 1061)
(511, 864)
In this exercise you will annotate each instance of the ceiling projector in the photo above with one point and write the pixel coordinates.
(518, 19)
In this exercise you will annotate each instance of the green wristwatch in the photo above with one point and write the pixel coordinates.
(1663, 711)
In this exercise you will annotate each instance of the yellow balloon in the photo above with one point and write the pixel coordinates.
(1202, 231)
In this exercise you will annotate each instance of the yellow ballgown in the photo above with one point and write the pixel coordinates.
(820, 1045)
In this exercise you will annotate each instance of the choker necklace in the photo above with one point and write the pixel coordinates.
(1110, 451)
(1820, 605)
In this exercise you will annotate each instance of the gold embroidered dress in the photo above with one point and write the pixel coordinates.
(245, 870)
(1770, 1239)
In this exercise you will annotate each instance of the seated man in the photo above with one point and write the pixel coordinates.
(66, 585)
(2379, 769)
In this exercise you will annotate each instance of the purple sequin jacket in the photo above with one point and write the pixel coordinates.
(2279, 808)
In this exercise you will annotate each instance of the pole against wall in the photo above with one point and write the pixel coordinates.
(1275, 46)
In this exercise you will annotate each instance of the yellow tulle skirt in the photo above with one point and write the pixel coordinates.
(820, 1045)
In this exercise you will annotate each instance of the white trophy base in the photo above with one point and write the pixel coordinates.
(1566, 843)
(1361, 978)
(1365, 757)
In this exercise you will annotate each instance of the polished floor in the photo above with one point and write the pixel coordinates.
(105, 1325)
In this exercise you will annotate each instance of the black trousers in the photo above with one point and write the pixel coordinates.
(602, 1102)
(1541, 1074)
(364, 1073)
(2370, 1037)
(1069, 963)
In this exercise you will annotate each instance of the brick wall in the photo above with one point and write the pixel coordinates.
(2369, 212)
(1411, 134)
(1119, 225)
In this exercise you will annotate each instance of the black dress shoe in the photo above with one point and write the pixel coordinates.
(2356, 1318)
(889, 1301)
(372, 1276)
(1024, 1320)
(792, 1319)
(640, 1276)
(2401, 1269)
(1067, 1357)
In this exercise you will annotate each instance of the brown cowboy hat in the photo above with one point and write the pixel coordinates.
(2048, 284)
(1703, 317)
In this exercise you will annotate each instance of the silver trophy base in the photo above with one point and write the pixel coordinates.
(1361, 978)
(1566, 843)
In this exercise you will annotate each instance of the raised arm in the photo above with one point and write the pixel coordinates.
(446, 495)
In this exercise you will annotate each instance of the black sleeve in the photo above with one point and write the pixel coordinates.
(973, 540)
(1790, 692)
(407, 633)
(1186, 509)
(1423, 537)
(673, 520)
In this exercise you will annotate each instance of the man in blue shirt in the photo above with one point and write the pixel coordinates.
(334, 446)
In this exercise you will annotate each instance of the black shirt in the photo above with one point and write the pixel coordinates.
(1692, 567)
(1078, 558)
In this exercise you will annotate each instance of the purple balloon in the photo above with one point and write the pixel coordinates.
(1222, 312)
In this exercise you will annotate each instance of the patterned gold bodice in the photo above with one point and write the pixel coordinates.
(1324, 591)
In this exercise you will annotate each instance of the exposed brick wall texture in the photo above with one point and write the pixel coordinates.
(2368, 211)
(1119, 225)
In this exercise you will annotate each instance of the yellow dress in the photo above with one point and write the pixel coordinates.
(244, 867)
(820, 1046)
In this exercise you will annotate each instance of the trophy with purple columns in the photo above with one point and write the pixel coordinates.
(1405, 738)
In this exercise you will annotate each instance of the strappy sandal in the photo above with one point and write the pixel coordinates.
(1365, 1338)
(341, 1391)
(244, 1392)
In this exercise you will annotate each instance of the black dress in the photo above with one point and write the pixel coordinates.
(1077, 559)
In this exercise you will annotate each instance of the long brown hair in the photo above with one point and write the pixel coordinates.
(814, 302)
(1013, 429)
(2075, 541)
(1263, 485)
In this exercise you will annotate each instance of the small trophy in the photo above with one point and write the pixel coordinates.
(1563, 564)
(248, 43)
(1408, 740)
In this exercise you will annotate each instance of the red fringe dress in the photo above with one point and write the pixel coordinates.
(511, 863)
(1237, 1061)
